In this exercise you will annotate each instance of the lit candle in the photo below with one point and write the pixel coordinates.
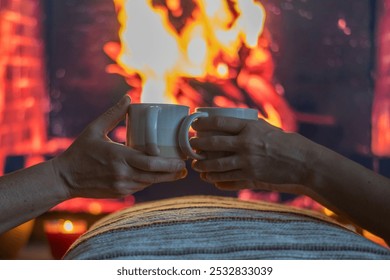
(62, 233)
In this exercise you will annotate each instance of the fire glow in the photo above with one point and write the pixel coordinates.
(166, 43)
(152, 48)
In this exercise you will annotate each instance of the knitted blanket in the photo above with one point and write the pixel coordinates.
(207, 227)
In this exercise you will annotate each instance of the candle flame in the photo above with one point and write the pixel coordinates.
(68, 226)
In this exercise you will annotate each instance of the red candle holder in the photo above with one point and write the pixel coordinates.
(62, 233)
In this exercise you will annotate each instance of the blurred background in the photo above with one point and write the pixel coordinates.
(320, 68)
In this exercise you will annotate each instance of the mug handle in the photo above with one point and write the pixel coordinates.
(184, 141)
(151, 130)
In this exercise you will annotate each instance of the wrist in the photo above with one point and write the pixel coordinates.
(60, 181)
(311, 164)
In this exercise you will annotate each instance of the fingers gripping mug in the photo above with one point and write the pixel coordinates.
(240, 113)
(162, 129)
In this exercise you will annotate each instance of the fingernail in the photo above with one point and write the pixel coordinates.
(126, 98)
(183, 173)
(195, 167)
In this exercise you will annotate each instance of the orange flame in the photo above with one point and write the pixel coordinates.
(155, 50)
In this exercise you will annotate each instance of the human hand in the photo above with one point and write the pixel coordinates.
(261, 156)
(94, 166)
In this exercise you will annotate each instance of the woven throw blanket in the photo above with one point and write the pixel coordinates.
(207, 227)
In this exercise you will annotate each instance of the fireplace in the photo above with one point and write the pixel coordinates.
(309, 68)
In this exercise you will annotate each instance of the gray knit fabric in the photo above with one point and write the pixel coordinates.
(203, 227)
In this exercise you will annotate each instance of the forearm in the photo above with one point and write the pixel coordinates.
(28, 193)
(351, 190)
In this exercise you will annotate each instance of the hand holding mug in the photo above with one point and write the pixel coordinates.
(95, 166)
(211, 112)
(261, 156)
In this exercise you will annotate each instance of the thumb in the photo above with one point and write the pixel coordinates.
(109, 119)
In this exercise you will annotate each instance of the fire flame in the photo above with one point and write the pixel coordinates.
(198, 53)
(152, 47)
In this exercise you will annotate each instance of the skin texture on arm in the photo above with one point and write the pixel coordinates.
(93, 166)
(266, 158)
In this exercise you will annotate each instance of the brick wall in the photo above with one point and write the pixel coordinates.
(23, 96)
(381, 106)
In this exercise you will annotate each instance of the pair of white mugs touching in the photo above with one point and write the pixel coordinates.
(163, 129)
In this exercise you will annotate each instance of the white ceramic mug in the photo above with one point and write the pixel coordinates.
(153, 128)
(241, 113)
